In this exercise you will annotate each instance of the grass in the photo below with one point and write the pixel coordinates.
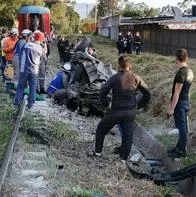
(167, 140)
(81, 192)
(189, 160)
(158, 72)
(167, 191)
(54, 127)
(62, 131)
(7, 119)
(30, 139)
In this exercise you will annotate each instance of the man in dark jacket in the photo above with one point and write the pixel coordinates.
(60, 46)
(123, 85)
(121, 44)
(138, 41)
(130, 41)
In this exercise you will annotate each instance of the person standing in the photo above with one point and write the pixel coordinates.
(9, 45)
(3, 59)
(123, 85)
(130, 41)
(138, 42)
(17, 52)
(60, 46)
(29, 70)
(120, 44)
(179, 105)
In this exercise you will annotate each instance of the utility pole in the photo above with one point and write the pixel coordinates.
(96, 10)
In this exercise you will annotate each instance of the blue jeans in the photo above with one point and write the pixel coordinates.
(24, 80)
(181, 123)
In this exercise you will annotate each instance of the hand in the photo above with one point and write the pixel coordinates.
(169, 112)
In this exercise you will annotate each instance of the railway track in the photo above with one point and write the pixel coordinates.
(26, 167)
(10, 147)
(29, 169)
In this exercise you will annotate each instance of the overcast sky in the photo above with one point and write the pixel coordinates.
(150, 3)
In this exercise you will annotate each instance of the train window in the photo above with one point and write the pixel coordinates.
(34, 22)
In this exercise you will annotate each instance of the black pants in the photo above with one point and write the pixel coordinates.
(129, 49)
(126, 119)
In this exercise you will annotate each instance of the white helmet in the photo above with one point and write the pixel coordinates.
(66, 67)
(14, 31)
(26, 32)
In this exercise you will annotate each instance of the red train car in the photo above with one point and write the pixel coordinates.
(33, 18)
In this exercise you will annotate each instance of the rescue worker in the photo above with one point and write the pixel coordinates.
(138, 41)
(29, 70)
(58, 86)
(122, 111)
(120, 44)
(179, 105)
(3, 59)
(130, 41)
(9, 45)
(26, 33)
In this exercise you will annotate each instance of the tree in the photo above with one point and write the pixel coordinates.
(108, 7)
(138, 10)
(9, 10)
(64, 18)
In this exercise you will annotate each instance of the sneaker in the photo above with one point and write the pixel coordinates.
(175, 152)
(116, 150)
(92, 153)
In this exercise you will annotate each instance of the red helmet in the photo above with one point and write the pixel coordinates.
(39, 36)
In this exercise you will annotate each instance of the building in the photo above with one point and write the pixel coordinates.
(161, 34)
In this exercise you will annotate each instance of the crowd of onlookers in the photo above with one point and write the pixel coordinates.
(65, 48)
(23, 61)
(128, 43)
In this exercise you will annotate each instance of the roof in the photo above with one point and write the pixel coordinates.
(33, 9)
(181, 26)
(130, 21)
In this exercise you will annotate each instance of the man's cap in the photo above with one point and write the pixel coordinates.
(26, 32)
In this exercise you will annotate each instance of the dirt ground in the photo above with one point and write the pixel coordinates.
(84, 176)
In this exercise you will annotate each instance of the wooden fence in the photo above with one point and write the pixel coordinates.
(165, 41)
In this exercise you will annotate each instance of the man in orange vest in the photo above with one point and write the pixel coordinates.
(9, 45)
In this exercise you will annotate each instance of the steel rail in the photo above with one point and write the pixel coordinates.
(10, 147)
